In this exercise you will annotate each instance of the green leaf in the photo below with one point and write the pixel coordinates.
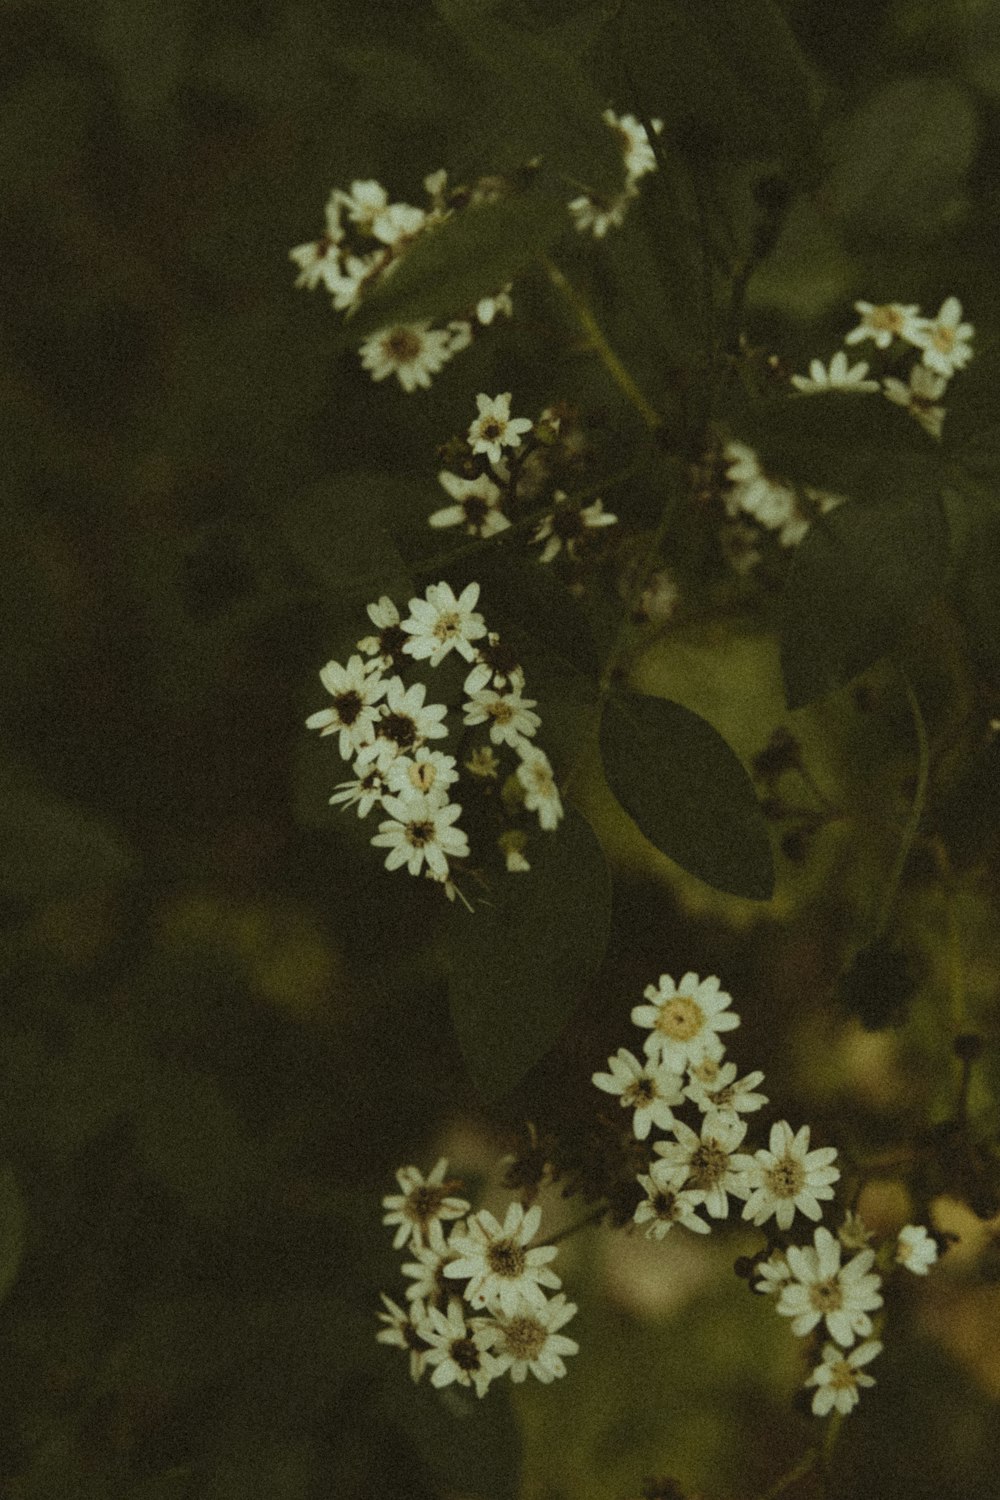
(687, 791)
(475, 252)
(397, 81)
(858, 580)
(728, 77)
(971, 434)
(470, 1447)
(338, 532)
(13, 1230)
(975, 584)
(518, 966)
(51, 848)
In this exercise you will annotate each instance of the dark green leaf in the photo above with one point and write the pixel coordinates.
(971, 435)
(856, 584)
(470, 1447)
(50, 848)
(976, 584)
(728, 76)
(193, 1142)
(968, 815)
(687, 791)
(879, 985)
(533, 610)
(396, 80)
(339, 533)
(518, 966)
(13, 1230)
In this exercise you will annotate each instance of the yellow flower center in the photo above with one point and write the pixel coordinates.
(524, 1338)
(944, 338)
(401, 345)
(826, 1296)
(506, 1258)
(786, 1180)
(680, 1018)
(885, 318)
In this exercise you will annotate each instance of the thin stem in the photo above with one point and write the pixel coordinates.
(956, 962)
(916, 810)
(594, 1217)
(595, 337)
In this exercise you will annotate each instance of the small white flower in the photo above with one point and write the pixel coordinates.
(838, 377)
(369, 787)
(637, 152)
(407, 722)
(886, 321)
(774, 1274)
(509, 716)
(597, 216)
(421, 771)
(398, 221)
(401, 1332)
(685, 1019)
(458, 1348)
(500, 1269)
(344, 284)
(915, 1249)
(426, 1271)
(495, 667)
(840, 1376)
(528, 1339)
(788, 1177)
(423, 1202)
(487, 308)
(824, 1290)
(541, 795)
(649, 1088)
(418, 830)
(920, 397)
(317, 261)
(440, 623)
(705, 1165)
(568, 526)
(945, 340)
(363, 203)
(476, 508)
(413, 352)
(854, 1233)
(353, 712)
(494, 428)
(460, 333)
(754, 493)
(664, 1206)
(714, 1086)
(388, 644)
(483, 763)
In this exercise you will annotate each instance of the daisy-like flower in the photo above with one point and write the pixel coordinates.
(458, 1348)
(321, 258)
(344, 283)
(509, 716)
(426, 1271)
(401, 1332)
(648, 1088)
(353, 713)
(421, 771)
(920, 397)
(854, 1233)
(424, 1201)
(788, 1177)
(529, 1339)
(637, 152)
(494, 428)
(440, 623)
(500, 1269)
(915, 1249)
(398, 221)
(496, 666)
(407, 722)
(840, 376)
(597, 216)
(945, 340)
(488, 308)
(568, 526)
(884, 322)
(512, 845)
(754, 493)
(413, 352)
(477, 505)
(364, 203)
(541, 795)
(369, 787)
(388, 643)
(484, 763)
(705, 1165)
(822, 1290)
(684, 1020)
(715, 1086)
(839, 1377)
(418, 830)
(773, 1274)
(664, 1206)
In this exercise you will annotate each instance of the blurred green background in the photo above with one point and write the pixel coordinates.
(222, 1028)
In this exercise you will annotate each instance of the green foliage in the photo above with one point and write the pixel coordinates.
(519, 964)
(676, 776)
(51, 847)
(339, 534)
(470, 1447)
(13, 1230)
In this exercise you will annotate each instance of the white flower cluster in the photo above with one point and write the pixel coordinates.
(505, 462)
(350, 257)
(698, 1170)
(385, 728)
(476, 1304)
(589, 212)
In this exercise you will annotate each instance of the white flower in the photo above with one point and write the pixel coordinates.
(353, 713)
(487, 308)
(541, 794)
(714, 1086)
(528, 1339)
(388, 644)
(364, 203)
(920, 397)
(636, 150)
(458, 1348)
(495, 666)
(946, 340)
(591, 213)
(509, 716)
(568, 526)
(407, 722)
(439, 623)
(915, 1249)
(477, 507)
(344, 285)
(685, 1020)
(839, 1377)
(824, 1290)
(427, 1269)
(398, 221)
(419, 829)
(494, 428)
(401, 1332)
(705, 1165)
(753, 492)
(411, 351)
(788, 1177)
(774, 1274)
(839, 377)
(501, 1271)
(664, 1206)
(369, 787)
(649, 1088)
(423, 1202)
(421, 771)
(886, 321)
(317, 262)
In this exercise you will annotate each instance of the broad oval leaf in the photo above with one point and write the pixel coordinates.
(688, 792)
(518, 966)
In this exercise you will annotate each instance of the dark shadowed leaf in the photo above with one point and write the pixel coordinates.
(518, 966)
(856, 585)
(192, 1141)
(49, 847)
(976, 584)
(470, 1447)
(338, 532)
(971, 436)
(13, 1230)
(687, 791)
